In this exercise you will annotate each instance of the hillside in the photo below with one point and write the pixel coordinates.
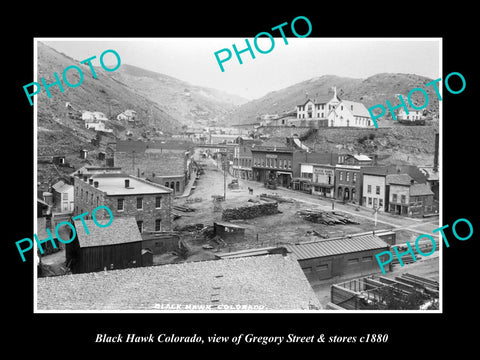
(184, 101)
(104, 94)
(370, 91)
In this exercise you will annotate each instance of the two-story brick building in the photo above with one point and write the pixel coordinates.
(242, 157)
(166, 163)
(409, 198)
(348, 183)
(323, 180)
(125, 195)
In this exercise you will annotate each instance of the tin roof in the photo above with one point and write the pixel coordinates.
(335, 247)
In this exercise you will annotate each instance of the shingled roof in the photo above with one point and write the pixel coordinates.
(420, 189)
(399, 179)
(121, 230)
(271, 282)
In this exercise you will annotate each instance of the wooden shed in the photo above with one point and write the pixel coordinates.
(117, 246)
(228, 231)
(325, 259)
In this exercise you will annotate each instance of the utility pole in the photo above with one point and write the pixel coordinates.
(224, 176)
(375, 211)
(133, 160)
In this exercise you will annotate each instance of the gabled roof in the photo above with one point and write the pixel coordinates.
(320, 99)
(273, 282)
(58, 185)
(336, 247)
(61, 187)
(358, 108)
(399, 179)
(122, 230)
(420, 189)
(360, 157)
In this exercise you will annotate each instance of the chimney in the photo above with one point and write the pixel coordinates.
(127, 183)
(95, 184)
(435, 156)
(90, 181)
(412, 181)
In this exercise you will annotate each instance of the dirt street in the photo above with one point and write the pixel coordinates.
(287, 226)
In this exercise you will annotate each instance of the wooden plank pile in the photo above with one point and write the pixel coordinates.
(275, 197)
(182, 208)
(250, 211)
(326, 217)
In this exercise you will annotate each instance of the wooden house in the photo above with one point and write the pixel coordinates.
(117, 246)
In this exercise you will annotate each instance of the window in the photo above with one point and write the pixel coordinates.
(65, 196)
(167, 184)
(353, 261)
(403, 199)
(354, 177)
(369, 201)
(348, 176)
(322, 267)
(307, 270)
(375, 202)
(158, 225)
(367, 258)
(86, 195)
(341, 175)
(140, 225)
(369, 189)
(380, 203)
(97, 201)
(177, 186)
(289, 164)
(120, 204)
(394, 197)
(364, 200)
(158, 202)
(377, 190)
(81, 194)
(140, 203)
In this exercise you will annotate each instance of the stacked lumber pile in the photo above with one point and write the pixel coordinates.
(326, 217)
(182, 208)
(250, 211)
(275, 197)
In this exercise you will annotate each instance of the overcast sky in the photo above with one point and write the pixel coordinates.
(193, 59)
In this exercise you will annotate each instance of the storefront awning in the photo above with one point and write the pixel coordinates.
(323, 185)
(302, 180)
(284, 173)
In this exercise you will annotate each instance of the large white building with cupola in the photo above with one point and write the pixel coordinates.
(332, 111)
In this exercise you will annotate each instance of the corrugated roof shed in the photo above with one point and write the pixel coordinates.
(336, 247)
(272, 281)
(121, 230)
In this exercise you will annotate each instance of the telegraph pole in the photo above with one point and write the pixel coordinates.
(224, 177)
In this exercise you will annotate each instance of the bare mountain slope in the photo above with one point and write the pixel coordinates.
(185, 101)
(374, 90)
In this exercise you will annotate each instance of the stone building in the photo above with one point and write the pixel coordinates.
(125, 195)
